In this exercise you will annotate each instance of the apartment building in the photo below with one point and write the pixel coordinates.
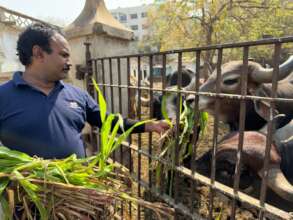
(135, 18)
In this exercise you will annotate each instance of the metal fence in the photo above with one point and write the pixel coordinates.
(113, 76)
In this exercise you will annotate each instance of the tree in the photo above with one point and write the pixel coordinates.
(191, 23)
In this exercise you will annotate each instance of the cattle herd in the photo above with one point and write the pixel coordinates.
(257, 115)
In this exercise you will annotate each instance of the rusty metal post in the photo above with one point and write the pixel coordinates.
(90, 88)
(89, 69)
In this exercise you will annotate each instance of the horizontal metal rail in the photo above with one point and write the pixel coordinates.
(243, 95)
(228, 191)
(211, 47)
(215, 95)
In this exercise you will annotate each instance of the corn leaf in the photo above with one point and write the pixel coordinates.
(31, 190)
(8, 214)
(105, 133)
(113, 136)
(164, 111)
(3, 184)
(102, 102)
(6, 153)
(204, 116)
(123, 136)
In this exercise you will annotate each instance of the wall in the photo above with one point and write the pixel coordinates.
(8, 59)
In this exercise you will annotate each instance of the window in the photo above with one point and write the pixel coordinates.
(134, 27)
(133, 16)
(122, 18)
(143, 14)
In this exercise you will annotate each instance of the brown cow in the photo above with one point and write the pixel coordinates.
(259, 83)
(253, 157)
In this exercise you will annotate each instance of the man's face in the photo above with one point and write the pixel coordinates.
(56, 64)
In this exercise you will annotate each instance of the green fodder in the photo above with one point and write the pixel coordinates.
(70, 188)
(187, 120)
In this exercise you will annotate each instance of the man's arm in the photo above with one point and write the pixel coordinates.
(94, 119)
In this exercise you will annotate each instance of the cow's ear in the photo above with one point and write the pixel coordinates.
(262, 107)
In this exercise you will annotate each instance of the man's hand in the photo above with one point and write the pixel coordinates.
(158, 126)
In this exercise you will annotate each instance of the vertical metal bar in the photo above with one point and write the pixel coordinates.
(103, 77)
(129, 139)
(164, 72)
(215, 137)
(151, 114)
(139, 135)
(162, 179)
(89, 87)
(89, 66)
(195, 131)
(241, 127)
(95, 75)
(120, 111)
(111, 83)
(94, 140)
(120, 101)
(270, 129)
(119, 83)
(129, 108)
(112, 96)
(176, 150)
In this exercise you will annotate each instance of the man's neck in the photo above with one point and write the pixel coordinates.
(34, 80)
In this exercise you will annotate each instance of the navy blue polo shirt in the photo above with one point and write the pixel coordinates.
(48, 126)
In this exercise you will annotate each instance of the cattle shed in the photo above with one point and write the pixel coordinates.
(195, 194)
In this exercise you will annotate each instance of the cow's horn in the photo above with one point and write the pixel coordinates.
(279, 184)
(263, 75)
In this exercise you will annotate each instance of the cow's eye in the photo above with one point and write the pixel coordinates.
(230, 82)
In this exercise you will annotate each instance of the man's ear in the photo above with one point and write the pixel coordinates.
(37, 52)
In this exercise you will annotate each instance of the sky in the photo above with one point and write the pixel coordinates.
(61, 10)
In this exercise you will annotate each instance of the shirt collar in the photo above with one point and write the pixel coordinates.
(18, 80)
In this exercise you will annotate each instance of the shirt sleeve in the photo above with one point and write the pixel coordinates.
(93, 117)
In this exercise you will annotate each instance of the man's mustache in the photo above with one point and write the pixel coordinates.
(67, 67)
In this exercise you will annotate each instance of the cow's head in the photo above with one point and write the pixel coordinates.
(252, 165)
(188, 78)
(186, 74)
(230, 83)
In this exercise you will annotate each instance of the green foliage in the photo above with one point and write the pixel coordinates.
(187, 121)
(22, 169)
(164, 111)
(108, 135)
(188, 23)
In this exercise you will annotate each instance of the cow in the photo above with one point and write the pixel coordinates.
(257, 115)
(258, 83)
(253, 156)
(188, 77)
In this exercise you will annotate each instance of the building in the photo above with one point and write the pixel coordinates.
(134, 18)
(11, 24)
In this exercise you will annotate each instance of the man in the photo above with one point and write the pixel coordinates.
(39, 114)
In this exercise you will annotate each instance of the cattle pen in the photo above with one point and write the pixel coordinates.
(137, 155)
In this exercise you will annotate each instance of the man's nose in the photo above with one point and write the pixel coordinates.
(68, 64)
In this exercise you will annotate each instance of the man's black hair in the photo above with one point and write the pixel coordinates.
(36, 34)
